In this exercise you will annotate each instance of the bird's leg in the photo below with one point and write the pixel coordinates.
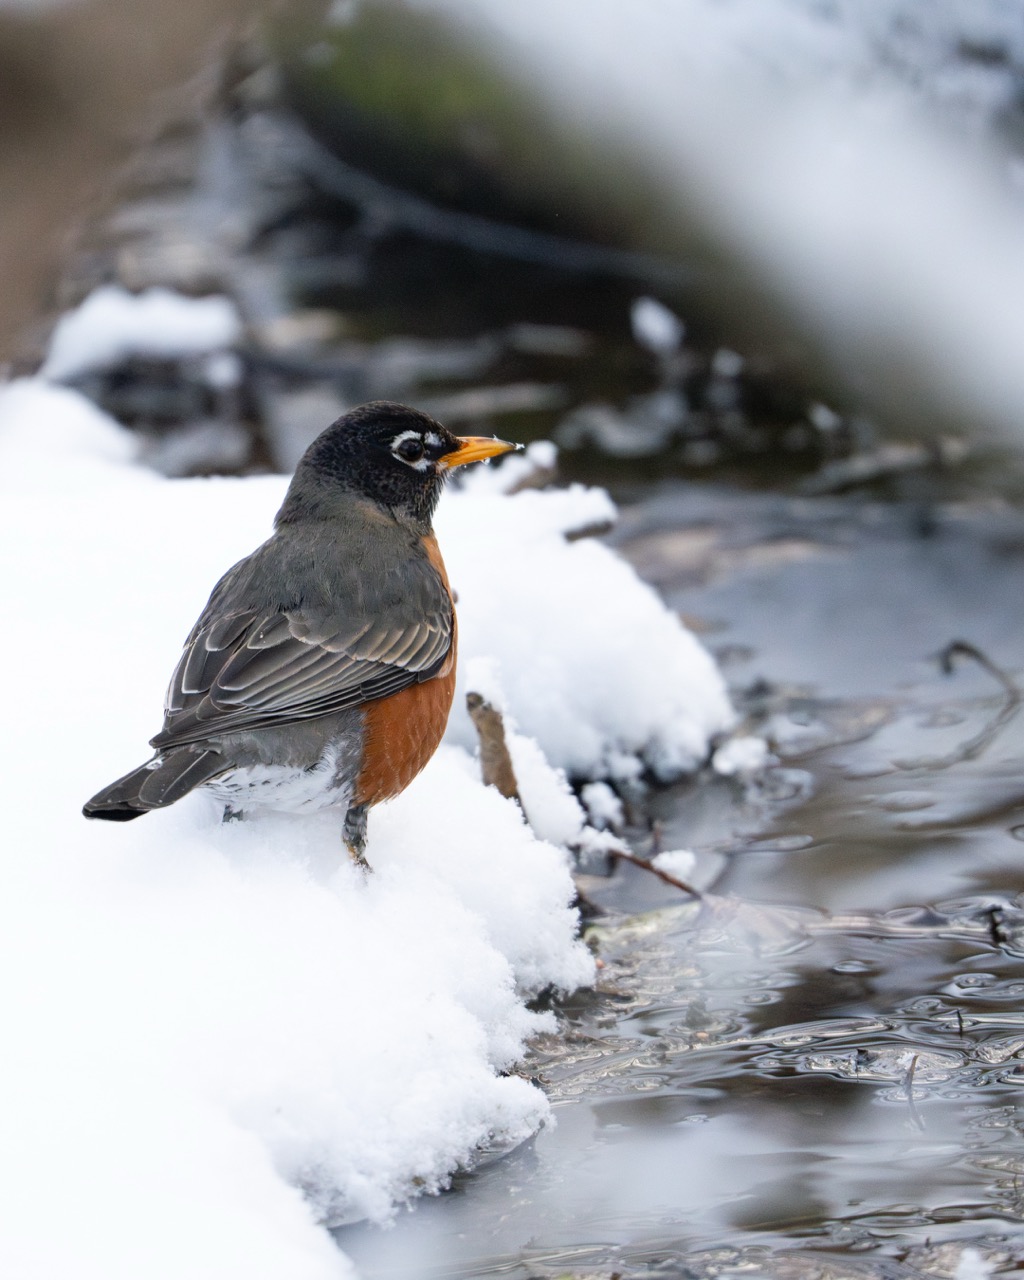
(354, 834)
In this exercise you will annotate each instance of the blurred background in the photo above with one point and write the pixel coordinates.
(772, 241)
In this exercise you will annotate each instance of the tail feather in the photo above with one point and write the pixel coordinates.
(154, 785)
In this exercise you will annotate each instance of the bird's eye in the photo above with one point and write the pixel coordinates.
(410, 449)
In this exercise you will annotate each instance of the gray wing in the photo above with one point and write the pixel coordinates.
(251, 668)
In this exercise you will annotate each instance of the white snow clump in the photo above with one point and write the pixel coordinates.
(741, 757)
(591, 662)
(113, 324)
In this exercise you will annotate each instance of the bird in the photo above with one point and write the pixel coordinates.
(322, 670)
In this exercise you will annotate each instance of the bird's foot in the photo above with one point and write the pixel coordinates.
(354, 835)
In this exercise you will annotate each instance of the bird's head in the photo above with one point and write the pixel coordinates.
(395, 456)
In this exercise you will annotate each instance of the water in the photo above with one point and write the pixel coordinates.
(819, 1065)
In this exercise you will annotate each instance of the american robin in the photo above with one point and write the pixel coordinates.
(322, 670)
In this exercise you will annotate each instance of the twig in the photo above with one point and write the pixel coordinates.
(496, 771)
(485, 402)
(909, 1086)
(886, 460)
(495, 761)
(645, 864)
(386, 207)
(973, 747)
(909, 1082)
(595, 530)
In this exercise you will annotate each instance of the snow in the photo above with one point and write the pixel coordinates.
(593, 666)
(740, 757)
(552, 810)
(680, 863)
(221, 1037)
(603, 806)
(972, 1266)
(113, 324)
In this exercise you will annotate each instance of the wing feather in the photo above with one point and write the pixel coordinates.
(224, 630)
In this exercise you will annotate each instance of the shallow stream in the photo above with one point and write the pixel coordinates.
(817, 1069)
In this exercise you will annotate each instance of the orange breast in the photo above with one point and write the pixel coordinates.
(402, 732)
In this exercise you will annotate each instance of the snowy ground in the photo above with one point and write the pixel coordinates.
(219, 1037)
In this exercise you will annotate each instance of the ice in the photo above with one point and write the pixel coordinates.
(220, 1037)
(112, 324)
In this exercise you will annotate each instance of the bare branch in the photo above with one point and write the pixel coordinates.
(495, 761)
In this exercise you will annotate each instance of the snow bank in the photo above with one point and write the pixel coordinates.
(589, 660)
(219, 1037)
(112, 324)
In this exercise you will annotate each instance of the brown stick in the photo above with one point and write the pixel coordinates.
(645, 864)
(495, 761)
(496, 771)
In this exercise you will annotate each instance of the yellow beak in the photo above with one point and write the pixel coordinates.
(476, 448)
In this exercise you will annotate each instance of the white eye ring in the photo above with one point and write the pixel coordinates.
(418, 463)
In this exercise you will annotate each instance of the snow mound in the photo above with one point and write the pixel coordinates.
(113, 324)
(591, 662)
(226, 1028)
